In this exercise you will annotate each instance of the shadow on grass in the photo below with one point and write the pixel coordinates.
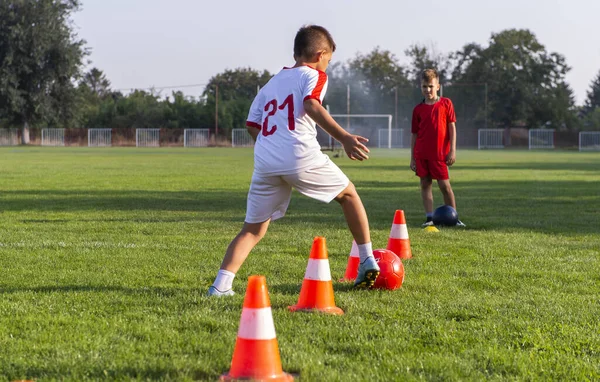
(128, 200)
(402, 166)
(142, 291)
(545, 206)
(108, 372)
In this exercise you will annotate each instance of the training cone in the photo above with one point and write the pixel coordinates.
(256, 353)
(399, 242)
(352, 266)
(317, 289)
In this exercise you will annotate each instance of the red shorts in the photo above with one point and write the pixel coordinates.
(434, 169)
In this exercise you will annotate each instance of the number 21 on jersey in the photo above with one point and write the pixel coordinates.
(271, 108)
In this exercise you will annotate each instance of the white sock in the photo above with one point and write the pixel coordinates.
(365, 251)
(224, 280)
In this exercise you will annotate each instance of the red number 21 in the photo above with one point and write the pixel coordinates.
(271, 108)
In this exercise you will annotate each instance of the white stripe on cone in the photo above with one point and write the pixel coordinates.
(354, 250)
(318, 269)
(257, 324)
(399, 231)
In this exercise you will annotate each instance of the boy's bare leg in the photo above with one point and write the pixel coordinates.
(427, 195)
(242, 244)
(356, 216)
(236, 254)
(447, 193)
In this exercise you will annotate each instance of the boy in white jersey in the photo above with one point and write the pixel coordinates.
(286, 154)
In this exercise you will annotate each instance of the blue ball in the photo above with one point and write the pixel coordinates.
(445, 215)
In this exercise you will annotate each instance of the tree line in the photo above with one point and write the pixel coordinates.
(511, 81)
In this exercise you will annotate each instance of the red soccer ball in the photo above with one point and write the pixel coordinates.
(392, 270)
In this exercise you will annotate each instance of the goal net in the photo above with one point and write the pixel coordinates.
(99, 137)
(541, 139)
(196, 137)
(9, 137)
(589, 141)
(368, 126)
(53, 137)
(147, 137)
(241, 138)
(490, 139)
(397, 138)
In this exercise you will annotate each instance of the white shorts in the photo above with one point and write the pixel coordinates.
(269, 195)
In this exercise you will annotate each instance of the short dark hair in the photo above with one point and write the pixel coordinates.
(310, 39)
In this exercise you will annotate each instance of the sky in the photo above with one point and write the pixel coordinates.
(158, 43)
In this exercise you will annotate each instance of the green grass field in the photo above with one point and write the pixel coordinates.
(106, 256)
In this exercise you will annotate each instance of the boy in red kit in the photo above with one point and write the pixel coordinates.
(433, 143)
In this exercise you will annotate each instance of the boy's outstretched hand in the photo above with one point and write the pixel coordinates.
(354, 147)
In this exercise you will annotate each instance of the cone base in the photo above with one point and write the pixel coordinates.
(328, 310)
(284, 377)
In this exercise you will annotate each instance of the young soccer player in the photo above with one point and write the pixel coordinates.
(433, 143)
(287, 155)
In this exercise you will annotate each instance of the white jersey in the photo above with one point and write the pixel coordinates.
(287, 142)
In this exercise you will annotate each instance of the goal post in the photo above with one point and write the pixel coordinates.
(53, 137)
(541, 139)
(397, 138)
(589, 141)
(387, 116)
(99, 137)
(196, 137)
(9, 137)
(490, 139)
(147, 137)
(241, 138)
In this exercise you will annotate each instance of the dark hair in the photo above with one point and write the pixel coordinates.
(310, 39)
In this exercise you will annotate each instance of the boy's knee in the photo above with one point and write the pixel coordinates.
(348, 193)
(255, 230)
(445, 187)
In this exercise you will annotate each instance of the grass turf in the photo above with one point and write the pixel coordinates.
(106, 255)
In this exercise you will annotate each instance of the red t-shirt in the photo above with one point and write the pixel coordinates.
(430, 123)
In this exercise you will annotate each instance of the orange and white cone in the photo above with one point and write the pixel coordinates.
(399, 243)
(256, 354)
(317, 289)
(352, 266)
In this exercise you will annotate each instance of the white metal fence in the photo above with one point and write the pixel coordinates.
(541, 139)
(196, 137)
(589, 141)
(99, 137)
(490, 139)
(397, 138)
(53, 137)
(147, 137)
(241, 138)
(9, 137)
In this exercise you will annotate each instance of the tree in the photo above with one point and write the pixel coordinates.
(526, 83)
(93, 89)
(423, 58)
(40, 57)
(593, 95)
(236, 90)
(96, 82)
(372, 79)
